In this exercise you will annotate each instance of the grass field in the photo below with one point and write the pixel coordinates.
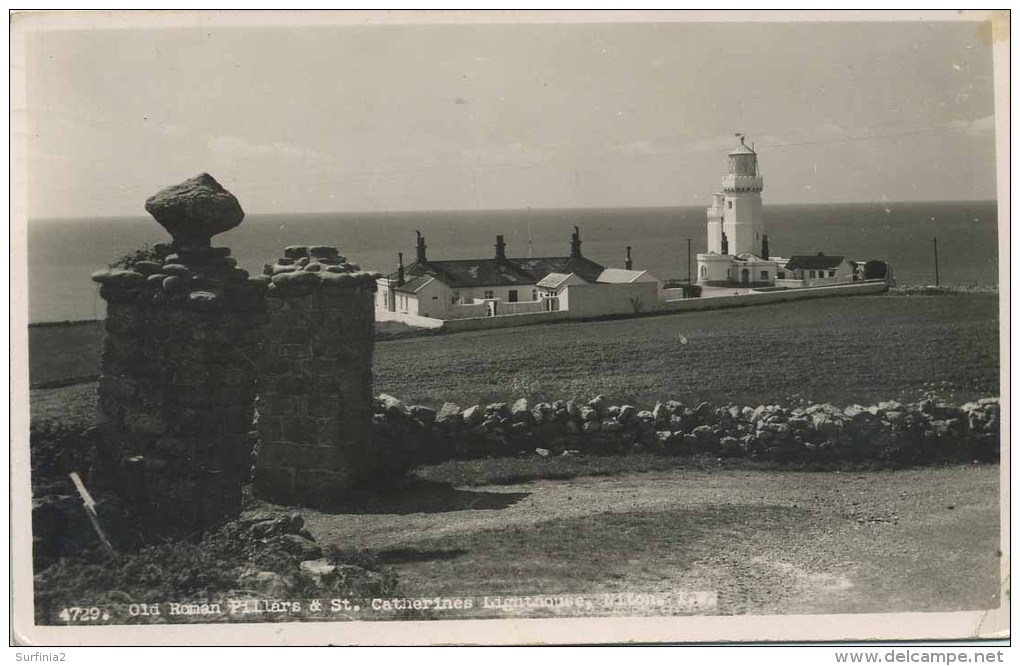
(839, 350)
(64, 352)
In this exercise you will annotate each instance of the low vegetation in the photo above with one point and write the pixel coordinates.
(239, 561)
(525, 469)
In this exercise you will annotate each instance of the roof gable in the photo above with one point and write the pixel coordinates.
(624, 276)
(414, 285)
(584, 268)
(553, 280)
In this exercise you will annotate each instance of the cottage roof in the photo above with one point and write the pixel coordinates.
(502, 272)
(471, 272)
(553, 280)
(619, 275)
(582, 267)
(813, 261)
(415, 284)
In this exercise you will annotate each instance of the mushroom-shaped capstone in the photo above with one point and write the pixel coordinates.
(196, 210)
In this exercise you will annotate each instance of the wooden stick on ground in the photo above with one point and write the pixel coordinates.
(90, 509)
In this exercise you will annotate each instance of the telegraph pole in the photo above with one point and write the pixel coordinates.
(935, 247)
(689, 260)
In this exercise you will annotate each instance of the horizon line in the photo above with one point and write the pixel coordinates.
(534, 209)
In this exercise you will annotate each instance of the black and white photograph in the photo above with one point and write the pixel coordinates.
(468, 327)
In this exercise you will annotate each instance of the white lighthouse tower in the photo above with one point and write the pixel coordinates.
(742, 186)
(737, 245)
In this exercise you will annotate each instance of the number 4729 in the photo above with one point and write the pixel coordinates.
(79, 614)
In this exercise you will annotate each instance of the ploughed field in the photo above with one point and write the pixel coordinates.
(839, 350)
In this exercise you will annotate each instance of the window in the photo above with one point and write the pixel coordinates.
(832, 273)
(729, 204)
(812, 274)
(781, 275)
(704, 271)
(534, 294)
(487, 294)
(512, 296)
(764, 275)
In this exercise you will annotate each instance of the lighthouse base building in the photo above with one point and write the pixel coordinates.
(746, 269)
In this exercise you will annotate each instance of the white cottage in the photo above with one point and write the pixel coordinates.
(815, 271)
(459, 288)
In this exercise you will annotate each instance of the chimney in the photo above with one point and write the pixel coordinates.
(421, 248)
(400, 269)
(500, 247)
(725, 244)
(765, 246)
(575, 244)
(629, 263)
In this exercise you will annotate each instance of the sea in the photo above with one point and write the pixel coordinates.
(63, 253)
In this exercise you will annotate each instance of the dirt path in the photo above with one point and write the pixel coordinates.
(766, 542)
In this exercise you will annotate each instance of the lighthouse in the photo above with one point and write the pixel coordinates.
(737, 244)
(736, 211)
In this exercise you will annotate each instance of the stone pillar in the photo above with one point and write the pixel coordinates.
(176, 395)
(315, 404)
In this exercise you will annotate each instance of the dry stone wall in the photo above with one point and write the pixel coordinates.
(314, 407)
(891, 431)
(178, 380)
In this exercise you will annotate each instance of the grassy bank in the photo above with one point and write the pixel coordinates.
(64, 352)
(509, 471)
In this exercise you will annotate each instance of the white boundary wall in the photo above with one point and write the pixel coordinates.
(778, 296)
(504, 321)
(409, 319)
(620, 300)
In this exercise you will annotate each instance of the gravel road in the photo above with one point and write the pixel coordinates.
(765, 541)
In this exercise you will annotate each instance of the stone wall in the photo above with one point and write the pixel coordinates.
(314, 407)
(177, 389)
(889, 431)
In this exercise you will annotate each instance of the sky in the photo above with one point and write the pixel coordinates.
(437, 117)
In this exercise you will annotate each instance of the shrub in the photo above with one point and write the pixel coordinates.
(691, 290)
(155, 252)
(875, 270)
